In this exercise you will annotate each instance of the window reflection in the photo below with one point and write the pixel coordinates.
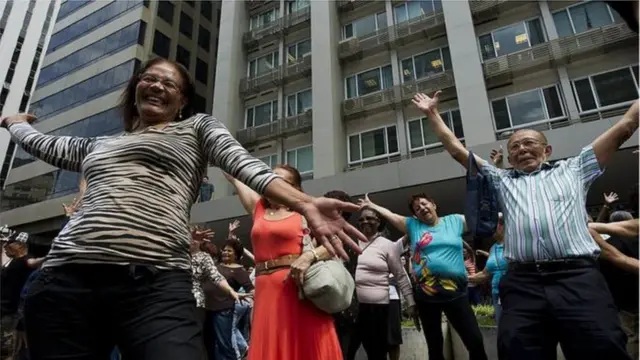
(90, 22)
(368, 82)
(40, 188)
(105, 123)
(87, 55)
(510, 39)
(70, 6)
(84, 91)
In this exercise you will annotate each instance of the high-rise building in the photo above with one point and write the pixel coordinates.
(25, 28)
(326, 86)
(93, 51)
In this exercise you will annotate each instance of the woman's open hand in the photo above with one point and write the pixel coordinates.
(201, 234)
(329, 228)
(18, 118)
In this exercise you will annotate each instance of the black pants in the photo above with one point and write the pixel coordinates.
(573, 307)
(371, 331)
(80, 312)
(460, 316)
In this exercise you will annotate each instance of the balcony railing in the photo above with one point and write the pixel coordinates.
(276, 77)
(265, 32)
(426, 26)
(558, 52)
(369, 102)
(283, 127)
(348, 5)
(252, 5)
(296, 18)
(487, 10)
(428, 85)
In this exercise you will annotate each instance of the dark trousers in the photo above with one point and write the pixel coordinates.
(222, 322)
(371, 332)
(460, 316)
(80, 312)
(572, 307)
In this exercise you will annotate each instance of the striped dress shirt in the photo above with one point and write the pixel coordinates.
(544, 211)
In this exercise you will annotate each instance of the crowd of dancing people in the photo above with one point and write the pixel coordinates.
(127, 276)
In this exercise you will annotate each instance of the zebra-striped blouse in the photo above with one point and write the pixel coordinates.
(140, 189)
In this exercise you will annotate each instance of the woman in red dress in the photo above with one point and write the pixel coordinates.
(284, 327)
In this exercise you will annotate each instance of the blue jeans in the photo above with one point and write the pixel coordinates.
(497, 307)
(239, 340)
(115, 354)
(223, 330)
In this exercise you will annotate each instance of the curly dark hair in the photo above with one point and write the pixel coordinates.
(236, 245)
(419, 196)
(127, 102)
(342, 196)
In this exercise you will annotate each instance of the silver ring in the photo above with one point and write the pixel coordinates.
(335, 237)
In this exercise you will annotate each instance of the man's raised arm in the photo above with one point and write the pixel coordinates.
(609, 142)
(429, 106)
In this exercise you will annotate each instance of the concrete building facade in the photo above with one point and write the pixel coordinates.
(94, 48)
(326, 86)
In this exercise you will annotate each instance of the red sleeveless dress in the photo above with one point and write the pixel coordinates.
(284, 327)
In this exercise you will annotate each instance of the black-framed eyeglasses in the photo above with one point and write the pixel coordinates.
(166, 83)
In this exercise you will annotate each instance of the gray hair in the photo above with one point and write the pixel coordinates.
(617, 216)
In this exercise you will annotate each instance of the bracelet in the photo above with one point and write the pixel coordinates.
(315, 255)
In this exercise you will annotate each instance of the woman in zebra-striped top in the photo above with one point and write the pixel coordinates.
(125, 252)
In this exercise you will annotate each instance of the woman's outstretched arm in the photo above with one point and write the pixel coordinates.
(65, 152)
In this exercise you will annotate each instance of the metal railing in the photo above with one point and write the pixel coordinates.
(486, 10)
(369, 102)
(277, 76)
(277, 128)
(296, 18)
(255, 4)
(559, 51)
(426, 26)
(348, 5)
(427, 85)
(272, 29)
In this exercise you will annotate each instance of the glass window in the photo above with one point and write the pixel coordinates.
(295, 5)
(142, 31)
(90, 23)
(70, 6)
(200, 104)
(301, 159)
(40, 188)
(105, 123)
(270, 160)
(263, 19)
(298, 50)
(186, 25)
(610, 88)
(421, 134)
(89, 54)
(510, 39)
(183, 56)
(87, 90)
(427, 64)
(262, 114)
(202, 71)
(165, 11)
(161, 44)
(364, 26)
(371, 144)
(204, 38)
(206, 9)
(263, 64)
(369, 81)
(413, 9)
(299, 103)
(527, 107)
(583, 17)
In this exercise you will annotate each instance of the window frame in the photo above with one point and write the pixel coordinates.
(343, 28)
(566, 9)
(173, 11)
(526, 29)
(275, 65)
(362, 72)
(183, 14)
(276, 14)
(270, 156)
(595, 94)
(377, 157)
(544, 108)
(432, 145)
(406, 10)
(296, 102)
(288, 6)
(413, 64)
(286, 160)
(298, 55)
(246, 113)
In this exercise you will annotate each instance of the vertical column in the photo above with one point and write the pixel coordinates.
(467, 68)
(401, 129)
(282, 59)
(329, 139)
(230, 68)
(565, 84)
(11, 34)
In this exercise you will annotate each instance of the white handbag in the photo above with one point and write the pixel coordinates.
(327, 284)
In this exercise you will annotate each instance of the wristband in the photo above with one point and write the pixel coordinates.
(315, 255)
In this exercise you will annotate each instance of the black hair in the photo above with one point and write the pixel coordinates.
(416, 197)
(297, 178)
(127, 102)
(237, 247)
(342, 196)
